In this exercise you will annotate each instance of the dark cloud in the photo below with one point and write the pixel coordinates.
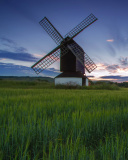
(12, 45)
(123, 61)
(53, 69)
(21, 49)
(21, 56)
(9, 69)
(90, 76)
(8, 43)
(117, 78)
(112, 68)
(111, 77)
(51, 72)
(7, 40)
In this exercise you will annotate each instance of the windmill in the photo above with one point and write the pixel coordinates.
(73, 59)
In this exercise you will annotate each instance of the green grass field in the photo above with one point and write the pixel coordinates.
(39, 122)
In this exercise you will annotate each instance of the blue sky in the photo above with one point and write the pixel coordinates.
(23, 41)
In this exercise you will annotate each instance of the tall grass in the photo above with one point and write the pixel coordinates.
(63, 124)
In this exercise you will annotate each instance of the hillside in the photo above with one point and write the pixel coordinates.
(27, 78)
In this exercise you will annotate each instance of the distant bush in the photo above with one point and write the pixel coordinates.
(42, 80)
(103, 86)
(123, 84)
(49, 85)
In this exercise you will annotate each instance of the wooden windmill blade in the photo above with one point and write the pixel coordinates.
(81, 26)
(51, 30)
(89, 64)
(54, 55)
(84, 59)
(77, 51)
(49, 59)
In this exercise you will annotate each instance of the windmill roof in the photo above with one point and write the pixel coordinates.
(71, 74)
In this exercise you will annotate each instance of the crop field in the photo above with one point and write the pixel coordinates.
(44, 123)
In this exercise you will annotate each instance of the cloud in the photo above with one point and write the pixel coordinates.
(90, 76)
(38, 55)
(7, 40)
(101, 66)
(110, 77)
(12, 45)
(123, 61)
(8, 69)
(13, 70)
(8, 43)
(116, 78)
(21, 49)
(19, 56)
(112, 68)
(53, 70)
(110, 40)
(2, 59)
(22, 56)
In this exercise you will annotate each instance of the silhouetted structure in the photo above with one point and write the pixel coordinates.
(73, 59)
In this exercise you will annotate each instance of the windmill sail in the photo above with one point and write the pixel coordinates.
(77, 51)
(51, 30)
(49, 59)
(80, 27)
(46, 61)
(89, 64)
(86, 60)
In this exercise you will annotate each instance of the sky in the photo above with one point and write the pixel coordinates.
(23, 41)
